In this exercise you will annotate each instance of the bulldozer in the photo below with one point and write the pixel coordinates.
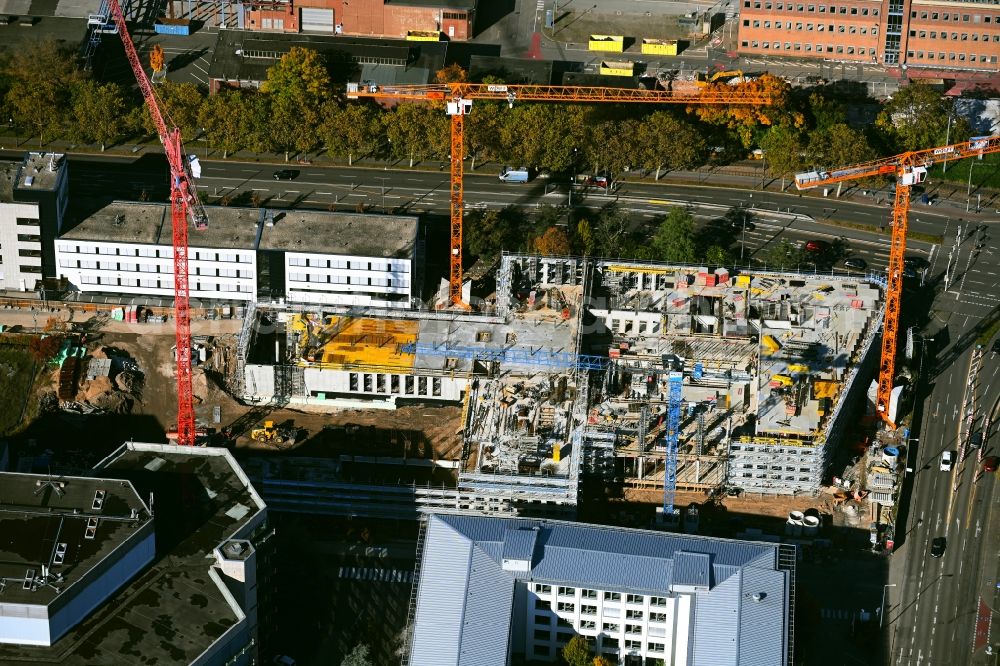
(269, 434)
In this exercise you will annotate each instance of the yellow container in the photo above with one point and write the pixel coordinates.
(610, 43)
(423, 36)
(659, 47)
(770, 344)
(617, 67)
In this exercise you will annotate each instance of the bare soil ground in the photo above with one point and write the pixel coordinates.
(577, 26)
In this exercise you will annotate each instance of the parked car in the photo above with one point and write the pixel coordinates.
(817, 246)
(857, 263)
(947, 461)
(938, 546)
(286, 174)
(996, 347)
(976, 440)
(915, 262)
(990, 463)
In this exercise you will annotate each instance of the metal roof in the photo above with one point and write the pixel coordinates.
(465, 597)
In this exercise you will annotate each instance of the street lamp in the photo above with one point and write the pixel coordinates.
(881, 609)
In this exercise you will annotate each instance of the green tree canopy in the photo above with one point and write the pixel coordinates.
(225, 117)
(42, 77)
(350, 130)
(674, 240)
(417, 131)
(301, 75)
(782, 255)
(180, 104)
(577, 652)
(96, 112)
(783, 150)
(584, 239)
(917, 118)
(667, 142)
(359, 656)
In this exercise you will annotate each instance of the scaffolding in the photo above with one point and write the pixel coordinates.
(671, 439)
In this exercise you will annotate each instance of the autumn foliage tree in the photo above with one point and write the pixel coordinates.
(453, 73)
(746, 119)
(156, 60)
(553, 242)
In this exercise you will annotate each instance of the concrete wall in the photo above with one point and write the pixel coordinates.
(12, 269)
(347, 280)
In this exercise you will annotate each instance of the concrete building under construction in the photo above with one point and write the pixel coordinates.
(645, 373)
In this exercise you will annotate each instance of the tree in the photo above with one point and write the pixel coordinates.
(300, 75)
(351, 130)
(667, 142)
(716, 255)
(42, 76)
(482, 137)
(839, 145)
(613, 145)
(553, 242)
(180, 104)
(96, 113)
(44, 347)
(486, 233)
(452, 73)
(747, 119)
(584, 238)
(611, 232)
(577, 652)
(674, 238)
(783, 151)
(545, 135)
(359, 656)
(601, 660)
(826, 111)
(156, 60)
(224, 116)
(782, 255)
(917, 117)
(417, 131)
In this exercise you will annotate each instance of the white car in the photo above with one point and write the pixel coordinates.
(947, 460)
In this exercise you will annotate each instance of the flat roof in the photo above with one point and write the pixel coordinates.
(149, 223)
(246, 56)
(37, 512)
(357, 234)
(173, 611)
(443, 4)
(40, 171)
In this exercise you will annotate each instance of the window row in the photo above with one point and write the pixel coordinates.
(27, 222)
(346, 279)
(821, 9)
(808, 48)
(394, 384)
(956, 17)
(955, 36)
(153, 252)
(160, 284)
(951, 57)
(809, 27)
(775, 477)
(344, 263)
(150, 268)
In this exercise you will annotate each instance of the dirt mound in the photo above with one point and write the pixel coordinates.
(114, 402)
(94, 388)
(130, 381)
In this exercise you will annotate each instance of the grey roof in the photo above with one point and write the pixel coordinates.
(463, 586)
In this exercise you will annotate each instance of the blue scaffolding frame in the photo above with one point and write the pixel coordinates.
(671, 437)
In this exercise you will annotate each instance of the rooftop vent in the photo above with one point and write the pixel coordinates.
(29, 181)
(98, 500)
(60, 555)
(91, 530)
(759, 596)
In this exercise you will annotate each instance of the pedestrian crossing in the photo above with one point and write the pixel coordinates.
(373, 574)
(836, 614)
(540, 5)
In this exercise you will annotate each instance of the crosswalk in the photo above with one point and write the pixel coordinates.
(373, 574)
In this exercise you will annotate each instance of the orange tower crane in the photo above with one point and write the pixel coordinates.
(908, 169)
(458, 98)
(184, 207)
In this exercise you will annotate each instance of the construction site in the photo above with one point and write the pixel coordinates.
(662, 378)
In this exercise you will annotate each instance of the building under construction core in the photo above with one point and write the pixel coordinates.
(644, 373)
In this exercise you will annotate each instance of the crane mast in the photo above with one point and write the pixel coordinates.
(458, 98)
(908, 169)
(184, 206)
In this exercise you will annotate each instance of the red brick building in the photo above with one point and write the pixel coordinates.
(371, 18)
(929, 33)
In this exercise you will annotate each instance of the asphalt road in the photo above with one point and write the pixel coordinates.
(933, 615)
(775, 216)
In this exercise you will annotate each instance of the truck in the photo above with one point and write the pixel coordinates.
(512, 175)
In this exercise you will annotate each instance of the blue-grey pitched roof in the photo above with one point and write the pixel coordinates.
(465, 597)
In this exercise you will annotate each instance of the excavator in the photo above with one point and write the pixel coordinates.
(731, 76)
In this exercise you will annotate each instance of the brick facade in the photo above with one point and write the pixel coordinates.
(369, 18)
(930, 33)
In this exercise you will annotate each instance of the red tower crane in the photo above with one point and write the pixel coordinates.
(184, 206)
(908, 169)
(458, 98)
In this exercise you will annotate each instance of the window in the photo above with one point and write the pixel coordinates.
(608, 642)
(543, 619)
(588, 610)
(566, 591)
(588, 624)
(634, 598)
(659, 602)
(633, 645)
(28, 222)
(634, 615)
(28, 238)
(756, 24)
(541, 651)
(767, 24)
(611, 627)
(542, 634)
(746, 23)
(612, 596)
(540, 604)
(29, 253)
(656, 647)
(588, 594)
(657, 617)
(543, 589)
(564, 606)
(633, 629)
(30, 269)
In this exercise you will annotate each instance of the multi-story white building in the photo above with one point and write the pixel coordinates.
(298, 256)
(32, 209)
(492, 591)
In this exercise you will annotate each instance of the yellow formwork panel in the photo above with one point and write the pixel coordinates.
(636, 269)
(610, 43)
(798, 368)
(617, 68)
(770, 344)
(825, 388)
(659, 46)
(360, 341)
(423, 36)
